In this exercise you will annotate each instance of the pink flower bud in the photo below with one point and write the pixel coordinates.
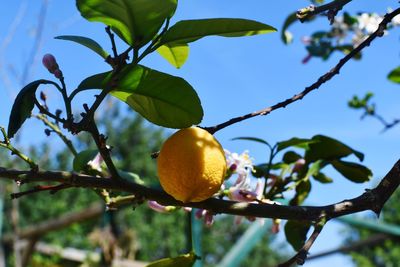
(233, 167)
(208, 219)
(241, 195)
(260, 188)
(49, 61)
(158, 207)
(275, 226)
(299, 165)
(187, 209)
(200, 213)
(58, 74)
(96, 162)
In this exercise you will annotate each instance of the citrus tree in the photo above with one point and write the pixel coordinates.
(195, 173)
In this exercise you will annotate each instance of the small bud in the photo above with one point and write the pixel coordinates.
(43, 96)
(58, 74)
(298, 166)
(208, 219)
(49, 61)
(200, 213)
(47, 132)
(241, 195)
(233, 167)
(275, 226)
(187, 209)
(160, 208)
(58, 113)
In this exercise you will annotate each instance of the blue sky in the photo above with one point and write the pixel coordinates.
(236, 76)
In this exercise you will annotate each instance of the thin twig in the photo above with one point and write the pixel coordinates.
(301, 255)
(14, 151)
(40, 188)
(100, 141)
(323, 79)
(332, 8)
(58, 131)
(112, 39)
(43, 110)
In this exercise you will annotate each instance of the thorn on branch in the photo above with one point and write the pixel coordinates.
(86, 107)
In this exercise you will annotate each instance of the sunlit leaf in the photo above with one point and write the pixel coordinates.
(187, 31)
(322, 178)
(89, 43)
(286, 36)
(175, 54)
(394, 75)
(161, 98)
(185, 260)
(295, 142)
(134, 21)
(130, 176)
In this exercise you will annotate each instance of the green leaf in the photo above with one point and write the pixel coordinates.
(349, 20)
(82, 158)
(296, 233)
(23, 106)
(89, 43)
(354, 172)
(316, 167)
(290, 157)
(175, 54)
(185, 260)
(130, 176)
(303, 189)
(254, 139)
(322, 178)
(286, 36)
(261, 170)
(186, 31)
(295, 142)
(161, 98)
(134, 21)
(394, 75)
(327, 148)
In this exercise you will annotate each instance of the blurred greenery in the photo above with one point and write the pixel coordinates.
(386, 254)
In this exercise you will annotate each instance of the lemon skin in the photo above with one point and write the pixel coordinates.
(191, 165)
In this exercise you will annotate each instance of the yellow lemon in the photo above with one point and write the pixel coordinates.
(191, 165)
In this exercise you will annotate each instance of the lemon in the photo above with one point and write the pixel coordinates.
(191, 165)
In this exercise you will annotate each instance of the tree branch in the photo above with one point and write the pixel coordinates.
(373, 200)
(34, 231)
(333, 8)
(371, 241)
(323, 79)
